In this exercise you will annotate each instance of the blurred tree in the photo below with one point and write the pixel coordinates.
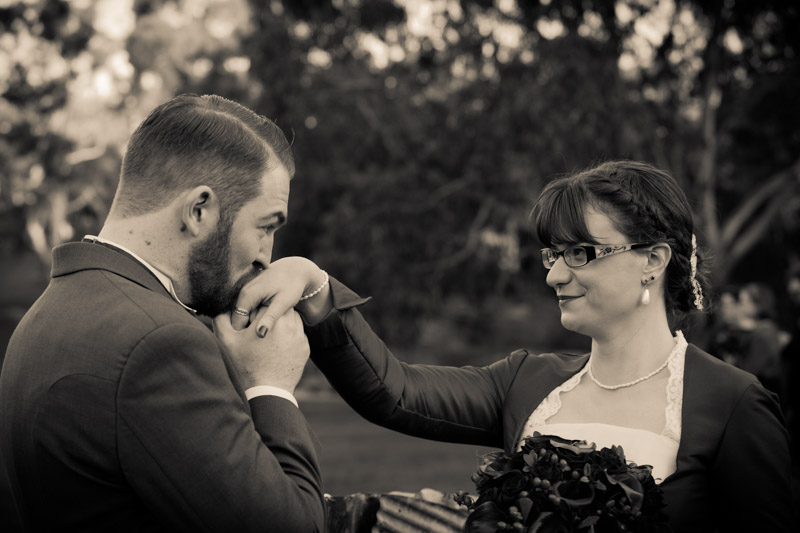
(75, 79)
(732, 91)
(424, 143)
(425, 137)
(38, 41)
(423, 130)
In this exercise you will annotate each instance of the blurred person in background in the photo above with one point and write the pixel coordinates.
(790, 360)
(120, 409)
(623, 261)
(749, 336)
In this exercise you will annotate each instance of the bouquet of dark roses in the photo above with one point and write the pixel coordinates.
(557, 485)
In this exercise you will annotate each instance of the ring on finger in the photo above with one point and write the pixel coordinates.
(241, 312)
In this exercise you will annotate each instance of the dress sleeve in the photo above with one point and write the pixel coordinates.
(751, 474)
(442, 403)
(198, 458)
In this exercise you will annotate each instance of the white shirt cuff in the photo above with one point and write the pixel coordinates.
(268, 390)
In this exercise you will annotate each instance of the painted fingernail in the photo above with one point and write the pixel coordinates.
(262, 330)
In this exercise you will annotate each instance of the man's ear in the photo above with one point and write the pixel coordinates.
(200, 211)
(658, 257)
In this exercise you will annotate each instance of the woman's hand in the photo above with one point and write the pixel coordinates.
(280, 288)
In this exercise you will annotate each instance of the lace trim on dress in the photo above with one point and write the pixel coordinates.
(677, 359)
(552, 403)
(672, 428)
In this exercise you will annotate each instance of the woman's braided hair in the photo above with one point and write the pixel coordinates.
(646, 205)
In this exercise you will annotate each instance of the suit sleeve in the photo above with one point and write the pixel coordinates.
(434, 402)
(752, 471)
(194, 453)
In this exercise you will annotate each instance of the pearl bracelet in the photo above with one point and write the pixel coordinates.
(317, 290)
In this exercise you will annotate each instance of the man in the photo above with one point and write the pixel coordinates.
(120, 410)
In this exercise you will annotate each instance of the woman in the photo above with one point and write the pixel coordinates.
(623, 262)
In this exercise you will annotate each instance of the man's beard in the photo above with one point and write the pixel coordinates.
(212, 290)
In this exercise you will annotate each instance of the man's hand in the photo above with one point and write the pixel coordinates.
(279, 289)
(277, 359)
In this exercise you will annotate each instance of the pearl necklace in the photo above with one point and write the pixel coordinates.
(630, 383)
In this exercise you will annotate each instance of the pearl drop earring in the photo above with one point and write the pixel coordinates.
(646, 294)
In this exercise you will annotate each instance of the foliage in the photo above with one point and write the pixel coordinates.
(423, 131)
(75, 79)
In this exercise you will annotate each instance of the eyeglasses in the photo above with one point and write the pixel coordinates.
(578, 256)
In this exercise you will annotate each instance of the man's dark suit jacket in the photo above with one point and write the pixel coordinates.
(733, 464)
(120, 411)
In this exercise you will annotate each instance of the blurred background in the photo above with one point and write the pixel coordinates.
(423, 131)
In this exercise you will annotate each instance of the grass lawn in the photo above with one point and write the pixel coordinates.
(358, 456)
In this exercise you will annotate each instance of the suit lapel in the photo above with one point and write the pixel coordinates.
(700, 424)
(690, 391)
(77, 256)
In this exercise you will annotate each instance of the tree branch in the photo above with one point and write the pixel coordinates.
(435, 197)
(733, 225)
(374, 121)
(712, 98)
(754, 232)
(473, 238)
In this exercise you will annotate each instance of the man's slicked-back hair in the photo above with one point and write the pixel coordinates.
(193, 140)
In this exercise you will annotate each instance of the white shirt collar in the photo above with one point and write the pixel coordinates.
(165, 281)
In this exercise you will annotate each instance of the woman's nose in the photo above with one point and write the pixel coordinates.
(559, 274)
